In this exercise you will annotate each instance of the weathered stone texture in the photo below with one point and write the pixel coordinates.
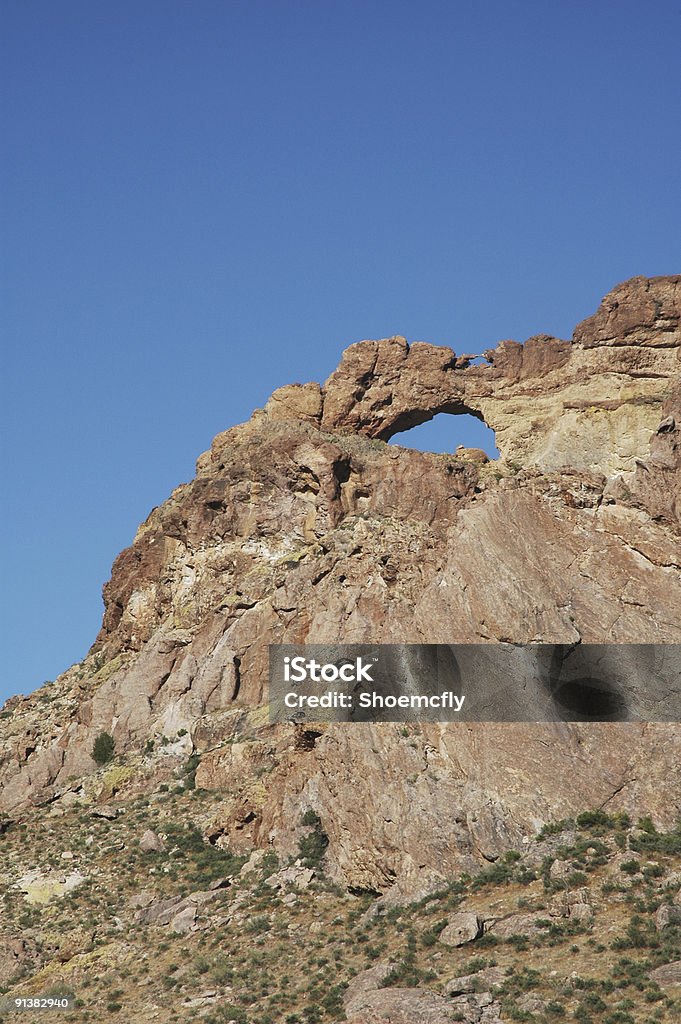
(589, 404)
(303, 525)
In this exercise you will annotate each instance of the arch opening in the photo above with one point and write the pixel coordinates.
(445, 432)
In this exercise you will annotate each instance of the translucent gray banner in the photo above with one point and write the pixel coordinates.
(475, 682)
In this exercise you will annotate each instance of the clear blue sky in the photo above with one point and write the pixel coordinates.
(202, 201)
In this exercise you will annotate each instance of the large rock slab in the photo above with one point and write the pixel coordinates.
(667, 974)
(402, 1006)
(480, 981)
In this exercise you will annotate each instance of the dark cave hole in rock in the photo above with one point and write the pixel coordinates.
(306, 738)
(445, 431)
(583, 700)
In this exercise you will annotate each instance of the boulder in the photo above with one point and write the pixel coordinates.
(462, 928)
(293, 877)
(480, 981)
(177, 911)
(105, 811)
(184, 920)
(403, 1006)
(150, 842)
(667, 916)
(582, 912)
(667, 974)
(518, 924)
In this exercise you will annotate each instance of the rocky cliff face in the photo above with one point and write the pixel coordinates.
(304, 525)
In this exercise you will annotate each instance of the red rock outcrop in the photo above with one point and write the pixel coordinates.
(304, 525)
(588, 404)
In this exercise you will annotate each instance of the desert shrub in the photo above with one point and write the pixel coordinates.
(189, 770)
(312, 847)
(658, 842)
(201, 861)
(600, 822)
(430, 937)
(103, 748)
(311, 818)
(332, 1002)
(554, 828)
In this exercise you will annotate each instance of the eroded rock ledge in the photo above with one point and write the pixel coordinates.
(589, 403)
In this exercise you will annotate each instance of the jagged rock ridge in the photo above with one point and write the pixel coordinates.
(303, 524)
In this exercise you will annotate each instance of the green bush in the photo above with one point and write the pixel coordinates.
(312, 847)
(311, 818)
(103, 748)
(189, 770)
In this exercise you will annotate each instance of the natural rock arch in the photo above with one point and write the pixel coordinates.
(590, 404)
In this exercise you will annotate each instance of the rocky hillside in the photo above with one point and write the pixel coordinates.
(123, 909)
(303, 524)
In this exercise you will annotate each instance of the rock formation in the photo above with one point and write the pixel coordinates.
(304, 525)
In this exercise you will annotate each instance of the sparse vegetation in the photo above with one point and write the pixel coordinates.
(252, 935)
(312, 846)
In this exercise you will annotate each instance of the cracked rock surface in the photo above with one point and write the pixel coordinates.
(303, 525)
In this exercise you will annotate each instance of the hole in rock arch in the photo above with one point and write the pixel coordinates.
(446, 431)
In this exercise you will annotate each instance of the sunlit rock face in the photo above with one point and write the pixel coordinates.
(591, 403)
(303, 525)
